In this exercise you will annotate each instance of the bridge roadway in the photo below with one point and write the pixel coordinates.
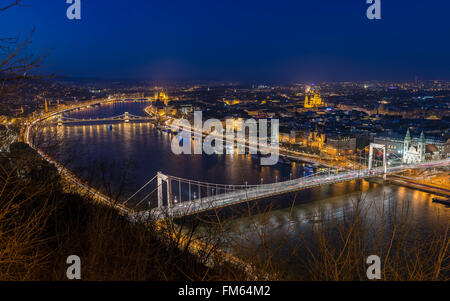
(268, 190)
(123, 117)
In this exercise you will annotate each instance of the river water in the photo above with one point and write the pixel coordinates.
(104, 153)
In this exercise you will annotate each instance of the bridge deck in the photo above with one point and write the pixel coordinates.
(268, 190)
(101, 120)
(123, 117)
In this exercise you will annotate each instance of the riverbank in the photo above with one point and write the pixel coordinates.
(68, 177)
(406, 182)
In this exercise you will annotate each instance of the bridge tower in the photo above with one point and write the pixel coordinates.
(127, 117)
(60, 121)
(162, 177)
(377, 146)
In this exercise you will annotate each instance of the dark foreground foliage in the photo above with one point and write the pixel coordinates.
(42, 222)
(41, 225)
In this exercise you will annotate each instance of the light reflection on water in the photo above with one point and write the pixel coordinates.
(149, 150)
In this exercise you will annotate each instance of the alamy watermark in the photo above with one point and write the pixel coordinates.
(74, 270)
(374, 270)
(374, 10)
(74, 10)
(252, 135)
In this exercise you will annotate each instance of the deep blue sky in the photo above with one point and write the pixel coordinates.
(240, 40)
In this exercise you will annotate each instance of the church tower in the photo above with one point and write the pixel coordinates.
(421, 147)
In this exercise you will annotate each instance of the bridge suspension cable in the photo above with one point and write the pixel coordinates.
(197, 187)
(140, 189)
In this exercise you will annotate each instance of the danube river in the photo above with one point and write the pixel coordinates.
(121, 157)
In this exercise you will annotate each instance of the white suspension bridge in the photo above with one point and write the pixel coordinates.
(182, 197)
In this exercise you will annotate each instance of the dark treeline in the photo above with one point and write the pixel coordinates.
(41, 224)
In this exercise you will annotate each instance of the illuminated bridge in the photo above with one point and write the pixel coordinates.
(181, 197)
(125, 117)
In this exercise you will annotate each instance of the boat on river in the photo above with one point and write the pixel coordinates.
(442, 201)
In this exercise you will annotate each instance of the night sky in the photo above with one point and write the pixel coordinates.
(242, 40)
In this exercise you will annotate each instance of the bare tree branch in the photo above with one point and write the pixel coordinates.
(15, 3)
(17, 64)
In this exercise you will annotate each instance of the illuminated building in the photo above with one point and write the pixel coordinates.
(396, 145)
(446, 150)
(316, 139)
(340, 145)
(45, 105)
(411, 153)
(162, 96)
(231, 102)
(312, 99)
(284, 137)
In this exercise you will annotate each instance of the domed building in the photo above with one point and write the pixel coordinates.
(161, 96)
(312, 99)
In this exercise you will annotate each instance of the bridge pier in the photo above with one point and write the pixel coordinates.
(60, 120)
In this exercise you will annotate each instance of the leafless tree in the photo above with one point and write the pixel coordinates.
(17, 64)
